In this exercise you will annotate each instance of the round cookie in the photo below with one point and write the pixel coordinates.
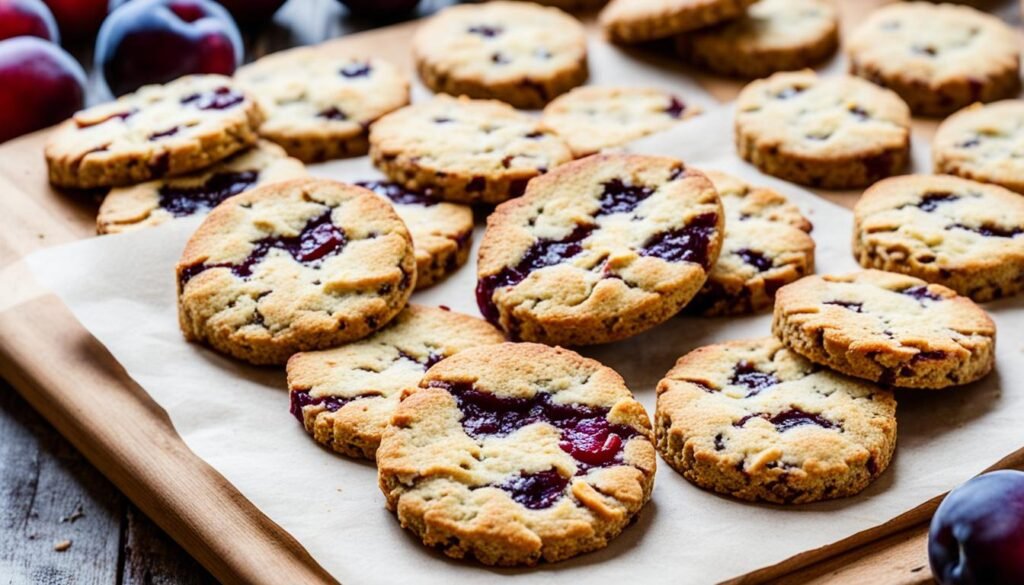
(344, 397)
(599, 250)
(591, 119)
(961, 234)
(634, 21)
(831, 132)
(773, 35)
(756, 421)
(464, 150)
(294, 266)
(156, 202)
(160, 130)
(320, 101)
(767, 245)
(442, 233)
(517, 453)
(517, 52)
(937, 57)
(984, 143)
(891, 328)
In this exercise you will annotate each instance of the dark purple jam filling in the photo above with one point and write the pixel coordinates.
(859, 113)
(586, 433)
(320, 238)
(745, 374)
(183, 201)
(356, 70)
(221, 98)
(675, 108)
(165, 134)
(500, 59)
(921, 293)
(538, 490)
(399, 194)
(855, 307)
(332, 113)
(485, 31)
(755, 259)
(990, 231)
(969, 143)
(301, 399)
(618, 197)
(928, 355)
(788, 93)
(541, 254)
(686, 244)
(432, 358)
(931, 201)
(790, 419)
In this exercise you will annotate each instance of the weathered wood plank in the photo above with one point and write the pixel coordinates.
(49, 494)
(151, 558)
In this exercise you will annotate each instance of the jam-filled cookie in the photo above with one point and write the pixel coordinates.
(156, 202)
(599, 250)
(517, 453)
(758, 422)
(516, 52)
(983, 143)
(633, 21)
(344, 397)
(889, 328)
(294, 266)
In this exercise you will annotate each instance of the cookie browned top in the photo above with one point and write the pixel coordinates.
(476, 142)
(797, 431)
(887, 327)
(631, 21)
(822, 118)
(314, 95)
(155, 202)
(354, 389)
(159, 130)
(292, 266)
(609, 243)
(517, 452)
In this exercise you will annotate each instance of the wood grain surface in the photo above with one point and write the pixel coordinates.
(80, 389)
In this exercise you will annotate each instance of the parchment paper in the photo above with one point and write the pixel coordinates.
(236, 417)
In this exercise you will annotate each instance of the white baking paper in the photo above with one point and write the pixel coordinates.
(236, 417)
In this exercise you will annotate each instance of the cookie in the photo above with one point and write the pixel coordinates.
(599, 250)
(156, 202)
(442, 233)
(773, 35)
(516, 52)
(983, 143)
(517, 453)
(890, 328)
(463, 150)
(832, 132)
(937, 57)
(321, 100)
(591, 119)
(344, 397)
(756, 421)
(961, 234)
(294, 266)
(634, 21)
(160, 130)
(767, 245)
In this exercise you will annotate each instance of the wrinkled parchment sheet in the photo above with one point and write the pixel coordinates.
(236, 417)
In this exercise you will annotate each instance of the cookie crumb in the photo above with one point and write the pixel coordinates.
(62, 545)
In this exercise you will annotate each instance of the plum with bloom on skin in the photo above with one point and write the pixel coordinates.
(977, 534)
(40, 85)
(157, 41)
(27, 18)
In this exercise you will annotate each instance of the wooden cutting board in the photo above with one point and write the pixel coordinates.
(81, 389)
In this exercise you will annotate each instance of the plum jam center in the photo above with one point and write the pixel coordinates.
(485, 31)
(301, 399)
(353, 70)
(333, 113)
(399, 194)
(790, 419)
(317, 240)
(686, 244)
(921, 293)
(989, 230)
(754, 258)
(745, 374)
(541, 254)
(850, 305)
(183, 201)
(618, 197)
(675, 108)
(221, 98)
(931, 201)
(536, 490)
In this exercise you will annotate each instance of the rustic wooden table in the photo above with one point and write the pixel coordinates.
(50, 496)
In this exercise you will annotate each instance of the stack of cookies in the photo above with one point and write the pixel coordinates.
(491, 440)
